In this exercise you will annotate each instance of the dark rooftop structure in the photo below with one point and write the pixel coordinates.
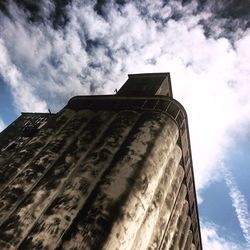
(147, 85)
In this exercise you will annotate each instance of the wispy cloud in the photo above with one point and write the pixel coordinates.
(239, 203)
(211, 239)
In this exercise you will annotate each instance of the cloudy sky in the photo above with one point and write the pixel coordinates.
(53, 50)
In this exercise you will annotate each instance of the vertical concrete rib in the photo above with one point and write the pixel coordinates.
(140, 196)
(150, 222)
(185, 233)
(168, 206)
(175, 223)
(180, 228)
(122, 198)
(189, 241)
(79, 185)
(168, 232)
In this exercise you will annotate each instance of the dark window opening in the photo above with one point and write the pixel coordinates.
(29, 132)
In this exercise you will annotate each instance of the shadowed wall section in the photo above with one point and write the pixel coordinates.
(106, 172)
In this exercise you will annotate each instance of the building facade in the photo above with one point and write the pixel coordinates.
(106, 172)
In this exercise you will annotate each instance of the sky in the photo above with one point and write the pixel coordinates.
(53, 50)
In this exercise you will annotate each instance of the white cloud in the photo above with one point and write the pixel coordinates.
(209, 76)
(25, 99)
(46, 62)
(212, 240)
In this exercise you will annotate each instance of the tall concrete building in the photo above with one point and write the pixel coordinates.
(106, 172)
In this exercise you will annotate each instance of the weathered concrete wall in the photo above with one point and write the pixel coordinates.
(122, 199)
(95, 179)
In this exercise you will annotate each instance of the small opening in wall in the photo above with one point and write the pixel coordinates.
(186, 158)
(29, 132)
